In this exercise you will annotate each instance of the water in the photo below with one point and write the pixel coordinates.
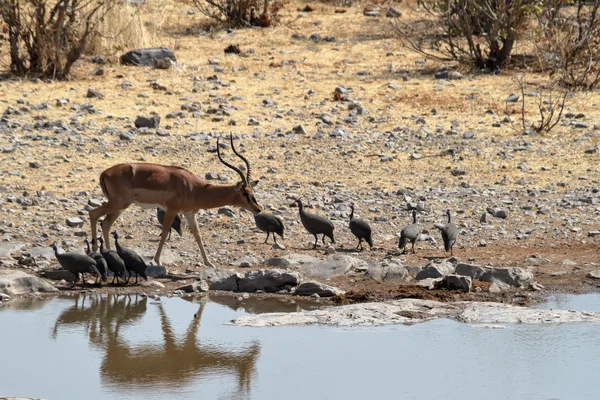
(131, 347)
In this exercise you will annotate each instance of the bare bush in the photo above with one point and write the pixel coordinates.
(567, 42)
(240, 13)
(549, 104)
(46, 37)
(480, 32)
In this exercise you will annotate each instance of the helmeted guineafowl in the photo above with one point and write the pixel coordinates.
(114, 262)
(175, 225)
(361, 229)
(100, 262)
(269, 223)
(76, 263)
(449, 233)
(315, 224)
(410, 233)
(133, 262)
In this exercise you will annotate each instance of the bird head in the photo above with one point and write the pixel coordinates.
(115, 234)
(53, 245)
(297, 202)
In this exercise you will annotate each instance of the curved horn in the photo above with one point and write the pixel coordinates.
(240, 173)
(248, 170)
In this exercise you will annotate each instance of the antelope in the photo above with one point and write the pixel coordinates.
(175, 189)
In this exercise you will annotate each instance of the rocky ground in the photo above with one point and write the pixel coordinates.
(357, 118)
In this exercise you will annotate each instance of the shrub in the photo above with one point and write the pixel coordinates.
(46, 37)
(481, 32)
(567, 42)
(239, 13)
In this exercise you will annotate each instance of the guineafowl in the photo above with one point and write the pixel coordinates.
(449, 233)
(133, 262)
(315, 224)
(360, 229)
(410, 233)
(175, 225)
(269, 223)
(100, 262)
(114, 262)
(76, 263)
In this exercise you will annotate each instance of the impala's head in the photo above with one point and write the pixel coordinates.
(244, 194)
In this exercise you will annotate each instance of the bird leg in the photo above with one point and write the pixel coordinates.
(316, 240)
(413, 247)
(323, 239)
(193, 223)
(267, 237)
(275, 238)
(136, 277)
(83, 279)
(128, 277)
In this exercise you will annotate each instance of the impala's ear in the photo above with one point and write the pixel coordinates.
(254, 183)
(239, 186)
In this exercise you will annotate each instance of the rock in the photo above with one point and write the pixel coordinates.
(152, 284)
(455, 75)
(334, 265)
(299, 130)
(246, 262)
(471, 270)
(441, 74)
(393, 12)
(499, 213)
(511, 276)
(279, 262)
(126, 136)
(226, 211)
(536, 260)
(456, 282)
(593, 233)
(308, 288)
(75, 222)
(428, 283)
(157, 271)
(7, 249)
(512, 98)
(229, 283)
(594, 274)
(92, 93)
(371, 13)
(145, 122)
(484, 218)
(167, 257)
(413, 311)
(387, 270)
(498, 287)
(4, 297)
(269, 281)
(42, 252)
(232, 49)
(14, 282)
(435, 270)
(194, 287)
(60, 275)
(163, 63)
(147, 57)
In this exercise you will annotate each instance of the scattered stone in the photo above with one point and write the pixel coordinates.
(393, 12)
(147, 57)
(232, 49)
(229, 283)
(308, 288)
(594, 274)
(8, 249)
(299, 130)
(145, 122)
(194, 287)
(152, 284)
(246, 262)
(436, 270)
(92, 93)
(512, 98)
(471, 270)
(75, 222)
(334, 265)
(512, 276)
(456, 282)
(228, 212)
(270, 281)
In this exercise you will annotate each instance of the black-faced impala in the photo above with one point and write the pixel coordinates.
(175, 189)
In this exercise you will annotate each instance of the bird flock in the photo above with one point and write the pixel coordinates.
(124, 262)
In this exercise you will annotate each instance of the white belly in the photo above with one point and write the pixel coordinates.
(147, 205)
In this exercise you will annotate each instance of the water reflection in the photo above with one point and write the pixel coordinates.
(176, 360)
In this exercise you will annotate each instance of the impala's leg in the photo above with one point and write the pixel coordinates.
(193, 223)
(169, 217)
(107, 224)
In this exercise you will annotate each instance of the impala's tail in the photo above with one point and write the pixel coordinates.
(103, 186)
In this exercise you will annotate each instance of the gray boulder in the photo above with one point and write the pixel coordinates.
(247, 261)
(471, 270)
(334, 265)
(7, 249)
(280, 262)
(194, 287)
(13, 282)
(436, 270)
(228, 284)
(594, 274)
(387, 270)
(42, 252)
(511, 276)
(456, 282)
(168, 256)
(60, 274)
(309, 288)
(156, 271)
(147, 57)
(271, 280)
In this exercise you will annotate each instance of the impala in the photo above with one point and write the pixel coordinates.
(176, 189)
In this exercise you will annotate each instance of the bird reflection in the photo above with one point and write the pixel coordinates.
(178, 360)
